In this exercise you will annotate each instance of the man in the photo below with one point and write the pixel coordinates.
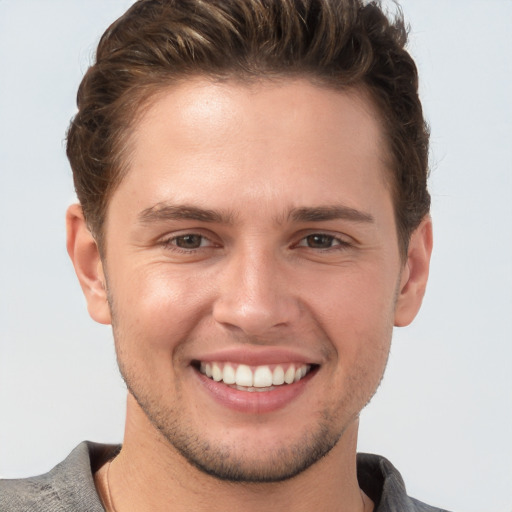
(253, 222)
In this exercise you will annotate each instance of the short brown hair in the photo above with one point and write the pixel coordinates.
(339, 43)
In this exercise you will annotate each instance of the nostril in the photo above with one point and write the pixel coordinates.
(255, 319)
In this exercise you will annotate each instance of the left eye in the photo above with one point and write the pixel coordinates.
(319, 241)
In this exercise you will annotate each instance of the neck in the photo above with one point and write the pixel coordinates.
(149, 474)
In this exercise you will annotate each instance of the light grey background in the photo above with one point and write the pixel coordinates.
(443, 415)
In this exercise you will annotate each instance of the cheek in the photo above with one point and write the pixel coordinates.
(356, 313)
(157, 308)
(353, 299)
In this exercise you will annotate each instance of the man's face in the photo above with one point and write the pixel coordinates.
(252, 241)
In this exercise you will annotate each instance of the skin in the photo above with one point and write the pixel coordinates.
(253, 279)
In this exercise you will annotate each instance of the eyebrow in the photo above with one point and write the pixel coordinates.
(324, 213)
(165, 212)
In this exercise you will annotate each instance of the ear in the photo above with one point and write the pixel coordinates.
(85, 255)
(414, 274)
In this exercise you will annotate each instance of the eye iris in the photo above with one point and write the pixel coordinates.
(319, 241)
(189, 241)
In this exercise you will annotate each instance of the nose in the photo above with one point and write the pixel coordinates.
(256, 294)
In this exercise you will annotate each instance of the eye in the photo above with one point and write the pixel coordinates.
(188, 242)
(320, 241)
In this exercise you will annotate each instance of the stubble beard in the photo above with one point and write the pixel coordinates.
(225, 462)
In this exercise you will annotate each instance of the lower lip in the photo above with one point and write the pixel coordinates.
(254, 402)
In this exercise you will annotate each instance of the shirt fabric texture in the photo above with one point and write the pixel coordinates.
(69, 486)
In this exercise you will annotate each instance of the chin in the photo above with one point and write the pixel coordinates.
(249, 464)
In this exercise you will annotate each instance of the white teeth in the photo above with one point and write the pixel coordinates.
(216, 372)
(228, 375)
(262, 377)
(289, 376)
(244, 376)
(278, 376)
(300, 372)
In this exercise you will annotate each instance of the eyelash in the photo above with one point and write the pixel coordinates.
(170, 243)
(336, 243)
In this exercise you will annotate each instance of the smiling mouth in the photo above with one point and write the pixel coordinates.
(254, 378)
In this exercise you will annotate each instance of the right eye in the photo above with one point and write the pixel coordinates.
(189, 241)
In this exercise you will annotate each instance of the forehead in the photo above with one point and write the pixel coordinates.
(212, 104)
(272, 138)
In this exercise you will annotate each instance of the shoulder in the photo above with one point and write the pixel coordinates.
(382, 482)
(68, 486)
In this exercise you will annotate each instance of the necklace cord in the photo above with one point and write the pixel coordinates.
(109, 495)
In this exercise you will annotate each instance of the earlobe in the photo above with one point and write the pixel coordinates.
(85, 255)
(414, 274)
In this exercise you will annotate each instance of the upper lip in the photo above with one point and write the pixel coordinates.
(257, 356)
